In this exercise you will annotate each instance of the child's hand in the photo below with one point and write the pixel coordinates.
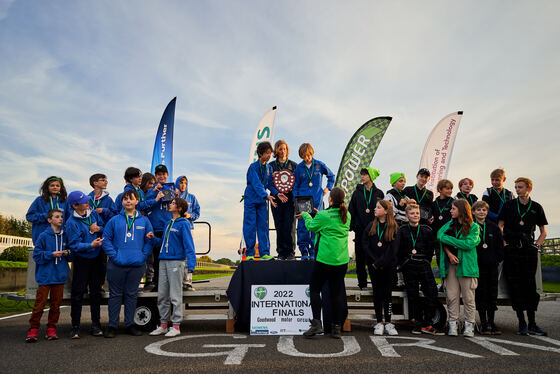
(431, 220)
(157, 187)
(325, 191)
(271, 199)
(150, 235)
(58, 253)
(97, 242)
(94, 228)
(403, 202)
(187, 215)
(99, 210)
(177, 192)
(411, 201)
(453, 259)
(159, 196)
(283, 198)
(297, 216)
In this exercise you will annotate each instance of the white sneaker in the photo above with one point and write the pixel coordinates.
(469, 330)
(159, 331)
(390, 329)
(378, 329)
(173, 332)
(452, 328)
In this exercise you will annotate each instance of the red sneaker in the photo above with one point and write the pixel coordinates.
(429, 330)
(51, 334)
(32, 335)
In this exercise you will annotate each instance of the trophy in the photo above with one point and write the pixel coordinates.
(283, 180)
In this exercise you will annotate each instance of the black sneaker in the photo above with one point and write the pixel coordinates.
(485, 329)
(417, 330)
(315, 328)
(335, 331)
(290, 257)
(494, 330)
(131, 330)
(75, 334)
(110, 332)
(536, 330)
(96, 330)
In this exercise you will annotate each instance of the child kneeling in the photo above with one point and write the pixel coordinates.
(176, 246)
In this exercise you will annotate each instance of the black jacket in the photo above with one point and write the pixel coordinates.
(382, 257)
(358, 206)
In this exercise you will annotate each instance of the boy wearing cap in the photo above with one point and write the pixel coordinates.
(422, 196)
(84, 229)
(361, 208)
(496, 196)
(397, 197)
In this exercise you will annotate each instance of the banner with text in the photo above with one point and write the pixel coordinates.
(359, 153)
(439, 147)
(163, 147)
(280, 309)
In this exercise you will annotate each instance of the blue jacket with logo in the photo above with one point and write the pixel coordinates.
(124, 246)
(105, 202)
(259, 179)
(178, 244)
(302, 188)
(144, 204)
(79, 237)
(194, 207)
(158, 214)
(49, 269)
(37, 215)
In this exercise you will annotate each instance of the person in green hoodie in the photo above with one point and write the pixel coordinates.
(331, 242)
(459, 264)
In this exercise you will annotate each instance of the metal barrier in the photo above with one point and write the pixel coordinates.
(7, 241)
(209, 236)
(551, 246)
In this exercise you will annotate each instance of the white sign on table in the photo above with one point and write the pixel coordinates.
(280, 309)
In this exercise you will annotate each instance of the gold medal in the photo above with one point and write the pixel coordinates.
(521, 223)
(484, 245)
(310, 184)
(367, 210)
(379, 244)
(413, 251)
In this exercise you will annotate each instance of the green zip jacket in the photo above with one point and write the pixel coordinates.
(331, 241)
(468, 263)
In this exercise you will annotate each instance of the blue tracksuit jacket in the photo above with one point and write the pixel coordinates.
(49, 269)
(124, 246)
(177, 242)
(79, 237)
(194, 207)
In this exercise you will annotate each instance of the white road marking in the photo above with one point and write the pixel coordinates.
(483, 342)
(287, 347)
(547, 339)
(526, 345)
(28, 313)
(386, 349)
(233, 357)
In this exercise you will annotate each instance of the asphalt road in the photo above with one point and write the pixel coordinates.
(205, 347)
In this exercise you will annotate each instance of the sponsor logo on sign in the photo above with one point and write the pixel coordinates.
(260, 293)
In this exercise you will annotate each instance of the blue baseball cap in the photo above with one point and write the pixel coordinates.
(77, 197)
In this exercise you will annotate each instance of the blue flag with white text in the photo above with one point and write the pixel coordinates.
(163, 147)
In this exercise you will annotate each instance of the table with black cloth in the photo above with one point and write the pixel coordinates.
(251, 273)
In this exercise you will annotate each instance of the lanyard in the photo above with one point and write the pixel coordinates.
(378, 234)
(130, 223)
(412, 236)
(370, 193)
(468, 198)
(445, 206)
(55, 205)
(527, 211)
(503, 199)
(262, 172)
(166, 239)
(483, 232)
(457, 233)
(401, 196)
(310, 175)
(88, 221)
(95, 202)
(282, 166)
(419, 200)
(140, 194)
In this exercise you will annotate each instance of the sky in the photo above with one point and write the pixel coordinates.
(83, 85)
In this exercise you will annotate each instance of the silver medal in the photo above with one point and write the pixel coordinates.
(128, 235)
(413, 251)
(440, 218)
(367, 210)
(484, 245)
(521, 223)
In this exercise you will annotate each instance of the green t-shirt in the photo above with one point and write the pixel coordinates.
(332, 236)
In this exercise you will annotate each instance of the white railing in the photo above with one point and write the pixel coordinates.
(7, 241)
(210, 265)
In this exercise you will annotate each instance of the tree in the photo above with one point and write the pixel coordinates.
(205, 259)
(15, 227)
(225, 261)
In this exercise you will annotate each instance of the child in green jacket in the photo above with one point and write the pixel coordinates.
(459, 265)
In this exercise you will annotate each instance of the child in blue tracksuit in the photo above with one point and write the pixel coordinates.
(309, 174)
(51, 270)
(175, 246)
(182, 184)
(255, 210)
(84, 230)
(133, 178)
(99, 199)
(126, 240)
(52, 196)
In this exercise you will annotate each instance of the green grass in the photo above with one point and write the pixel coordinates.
(551, 287)
(197, 277)
(12, 306)
(550, 260)
(13, 264)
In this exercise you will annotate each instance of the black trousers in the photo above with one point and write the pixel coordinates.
(360, 260)
(86, 272)
(283, 216)
(520, 266)
(382, 281)
(155, 254)
(487, 290)
(418, 275)
(335, 276)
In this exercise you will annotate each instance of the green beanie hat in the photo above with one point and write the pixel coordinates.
(395, 177)
(373, 173)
